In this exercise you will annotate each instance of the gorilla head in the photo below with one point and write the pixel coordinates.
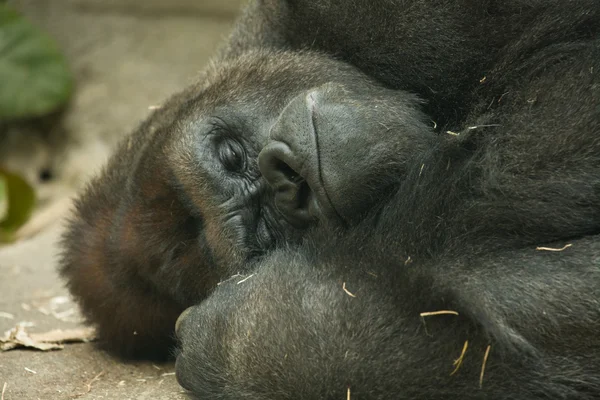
(267, 146)
(333, 138)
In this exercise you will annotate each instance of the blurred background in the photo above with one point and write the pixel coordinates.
(75, 77)
(123, 56)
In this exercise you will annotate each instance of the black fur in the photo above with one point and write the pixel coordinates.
(334, 310)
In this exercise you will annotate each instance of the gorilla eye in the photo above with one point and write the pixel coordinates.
(231, 155)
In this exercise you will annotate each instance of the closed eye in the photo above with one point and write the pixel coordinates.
(232, 155)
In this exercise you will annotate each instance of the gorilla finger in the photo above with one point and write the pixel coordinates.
(181, 319)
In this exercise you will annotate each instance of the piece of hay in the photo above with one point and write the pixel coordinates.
(434, 313)
(3, 390)
(88, 386)
(441, 312)
(458, 362)
(485, 358)
(228, 279)
(470, 128)
(566, 246)
(347, 291)
(18, 337)
(348, 394)
(385, 126)
(245, 279)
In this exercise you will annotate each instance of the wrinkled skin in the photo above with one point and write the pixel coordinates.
(352, 218)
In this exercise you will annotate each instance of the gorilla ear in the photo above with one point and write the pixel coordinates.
(333, 150)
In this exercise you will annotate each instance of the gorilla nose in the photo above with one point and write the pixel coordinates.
(290, 164)
(293, 196)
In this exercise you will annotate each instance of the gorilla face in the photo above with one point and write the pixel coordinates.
(280, 150)
(267, 147)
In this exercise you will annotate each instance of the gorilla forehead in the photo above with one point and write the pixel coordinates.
(261, 82)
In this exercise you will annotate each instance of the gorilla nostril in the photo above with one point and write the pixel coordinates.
(292, 192)
(304, 194)
(288, 171)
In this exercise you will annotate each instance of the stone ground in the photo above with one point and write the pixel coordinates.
(126, 55)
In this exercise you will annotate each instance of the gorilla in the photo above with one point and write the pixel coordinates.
(363, 199)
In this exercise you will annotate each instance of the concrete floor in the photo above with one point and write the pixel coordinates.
(126, 55)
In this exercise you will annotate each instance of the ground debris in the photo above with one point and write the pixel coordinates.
(566, 246)
(60, 307)
(435, 313)
(88, 386)
(442, 312)
(349, 293)
(458, 362)
(18, 337)
(245, 279)
(485, 358)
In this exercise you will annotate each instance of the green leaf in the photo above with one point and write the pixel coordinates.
(34, 74)
(20, 199)
(3, 198)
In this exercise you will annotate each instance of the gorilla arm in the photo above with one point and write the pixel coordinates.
(304, 328)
